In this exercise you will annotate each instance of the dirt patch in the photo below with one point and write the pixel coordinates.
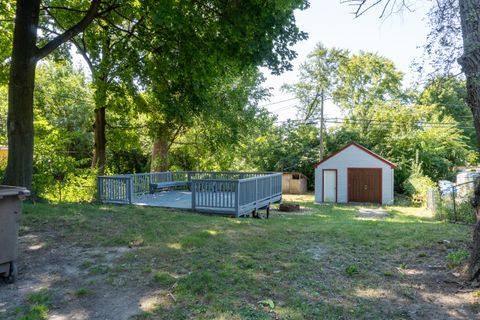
(63, 270)
(302, 211)
(372, 213)
(318, 253)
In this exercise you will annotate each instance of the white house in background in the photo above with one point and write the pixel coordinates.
(354, 174)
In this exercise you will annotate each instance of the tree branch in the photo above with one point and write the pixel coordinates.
(91, 14)
(362, 6)
(62, 8)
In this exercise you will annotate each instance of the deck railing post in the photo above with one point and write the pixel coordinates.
(132, 188)
(128, 184)
(256, 193)
(194, 187)
(237, 199)
(271, 186)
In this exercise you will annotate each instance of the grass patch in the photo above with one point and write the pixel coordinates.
(82, 292)
(351, 269)
(456, 258)
(321, 264)
(164, 278)
(197, 283)
(37, 306)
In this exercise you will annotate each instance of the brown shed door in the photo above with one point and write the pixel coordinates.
(365, 185)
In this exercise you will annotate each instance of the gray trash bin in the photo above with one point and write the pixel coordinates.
(10, 213)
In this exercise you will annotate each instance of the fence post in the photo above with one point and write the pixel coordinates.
(454, 206)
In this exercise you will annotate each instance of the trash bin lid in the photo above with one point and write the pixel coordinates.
(13, 191)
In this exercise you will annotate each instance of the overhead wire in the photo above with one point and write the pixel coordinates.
(277, 102)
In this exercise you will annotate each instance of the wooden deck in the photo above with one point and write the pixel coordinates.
(167, 199)
(227, 193)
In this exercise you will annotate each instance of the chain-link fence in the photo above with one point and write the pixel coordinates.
(453, 203)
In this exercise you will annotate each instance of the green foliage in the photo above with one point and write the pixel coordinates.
(448, 94)
(384, 117)
(456, 258)
(355, 82)
(267, 303)
(63, 139)
(291, 146)
(462, 211)
(38, 306)
(319, 75)
(7, 14)
(351, 269)
(76, 186)
(418, 184)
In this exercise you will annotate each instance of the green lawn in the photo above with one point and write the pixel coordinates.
(324, 263)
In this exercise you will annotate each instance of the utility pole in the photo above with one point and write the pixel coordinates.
(322, 99)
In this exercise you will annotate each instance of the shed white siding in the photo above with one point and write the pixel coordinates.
(353, 157)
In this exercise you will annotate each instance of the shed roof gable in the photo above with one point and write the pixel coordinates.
(362, 148)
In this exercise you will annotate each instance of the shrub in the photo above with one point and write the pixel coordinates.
(78, 186)
(416, 186)
(462, 211)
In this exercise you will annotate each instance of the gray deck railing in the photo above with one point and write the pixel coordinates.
(235, 193)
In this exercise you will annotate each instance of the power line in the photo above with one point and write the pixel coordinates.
(284, 108)
(385, 123)
(277, 102)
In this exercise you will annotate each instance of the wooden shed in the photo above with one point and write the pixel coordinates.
(354, 174)
(294, 183)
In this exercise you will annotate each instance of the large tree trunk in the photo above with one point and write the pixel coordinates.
(99, 152)
(25, 55)
(20, 95)
(470, 62)
(160, 152)
(100, 140)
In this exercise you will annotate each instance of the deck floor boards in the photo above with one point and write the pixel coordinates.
(179, 199)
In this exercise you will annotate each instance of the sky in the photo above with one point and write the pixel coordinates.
(399, 38)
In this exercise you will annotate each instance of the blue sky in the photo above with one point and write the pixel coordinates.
(398, 38)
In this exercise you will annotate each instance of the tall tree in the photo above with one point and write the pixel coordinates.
(204, 46)
(470, 63)
(319, 78)
(26, 53)
(355, 82)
